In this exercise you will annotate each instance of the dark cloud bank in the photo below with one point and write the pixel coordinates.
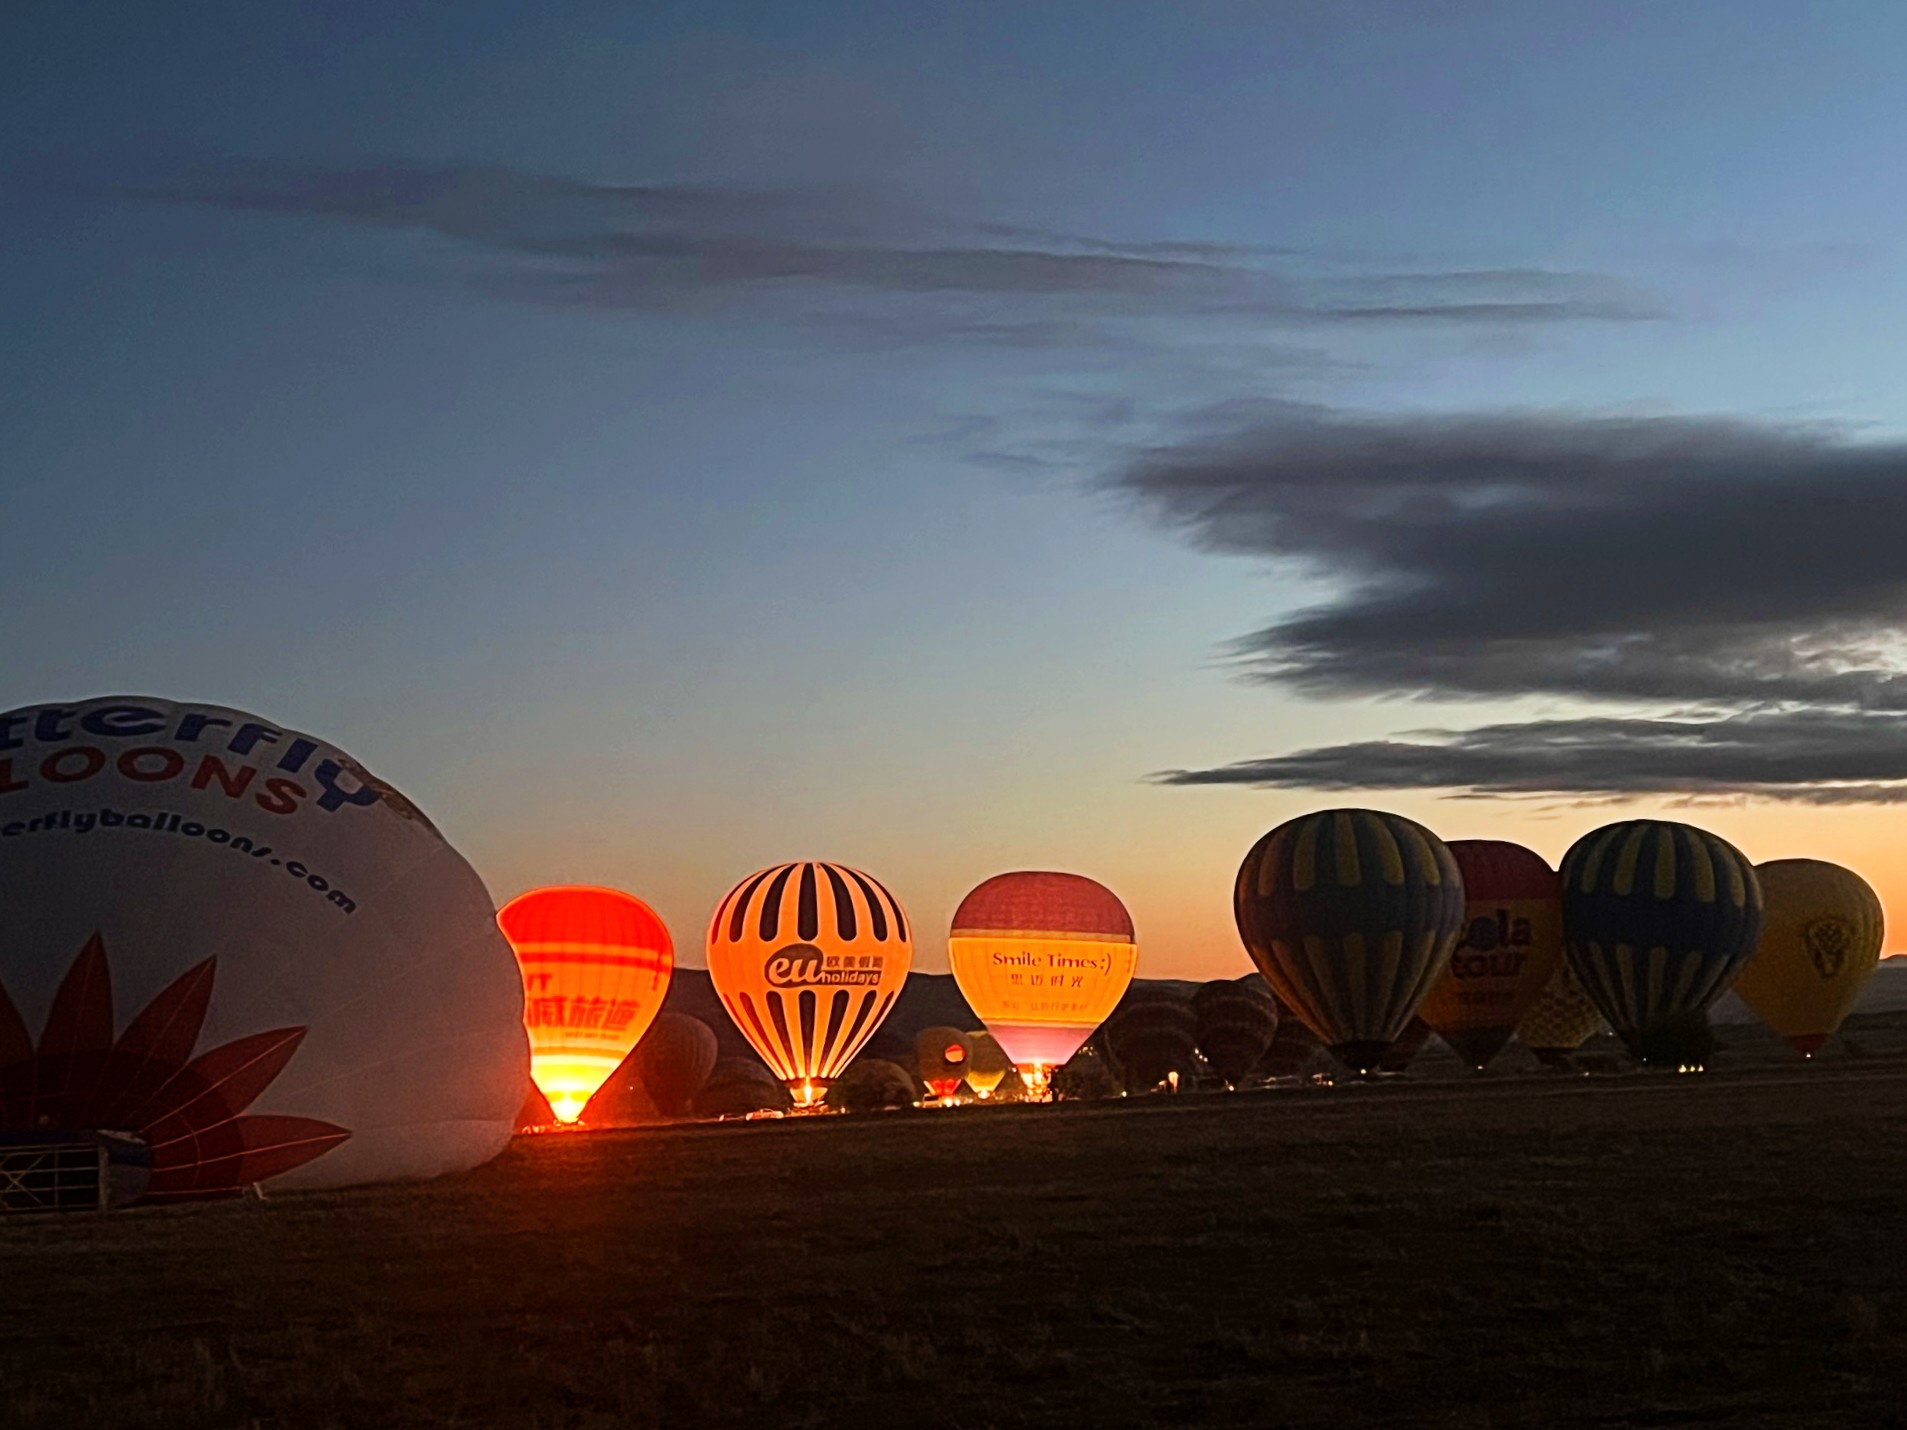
(1753, 575)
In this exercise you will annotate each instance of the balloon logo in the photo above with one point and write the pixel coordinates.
(808, 959)
(1351, 915)
(596, 966)
(1658, 918)
(1043, 958)
(1820, 941)
(1512, 943)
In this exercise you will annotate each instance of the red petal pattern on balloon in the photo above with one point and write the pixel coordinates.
(186, 1110)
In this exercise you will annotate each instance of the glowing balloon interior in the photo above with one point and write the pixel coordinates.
(1043, 958)
(596, 965)
(808, 959)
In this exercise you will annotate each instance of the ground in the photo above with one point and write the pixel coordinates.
(1642, 1249)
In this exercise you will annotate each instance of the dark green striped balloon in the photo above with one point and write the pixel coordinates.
(1351, 915)
(1658, 918)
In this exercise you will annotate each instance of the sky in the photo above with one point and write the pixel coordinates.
(665, 440)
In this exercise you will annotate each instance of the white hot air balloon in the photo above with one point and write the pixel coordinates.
(230, 944)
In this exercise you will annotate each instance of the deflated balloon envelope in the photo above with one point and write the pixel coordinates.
(1820, 942)
(229, 939)
(1658, 918)
(1350, 914)
(1511, 945)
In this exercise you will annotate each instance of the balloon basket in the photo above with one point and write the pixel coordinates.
(1038, 1080)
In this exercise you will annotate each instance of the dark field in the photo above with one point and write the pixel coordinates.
(1630, 1250)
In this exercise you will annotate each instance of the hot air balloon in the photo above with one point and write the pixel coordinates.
(228, 939)
(1404, 1047)
(941, 1055)
(1820, 941)
(1153, 1038)
(808, 959)
(1350, 915)
(1658, 918)
(1561, 1019)
(596, 966)
(674, 1060)
(873, 1085)
(1512, 943)
(1043, 958)
(1237, 1019)
(1293, 1046)
(740, 1086)
(987, 1064)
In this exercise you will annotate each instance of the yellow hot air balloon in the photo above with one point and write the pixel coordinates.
(808, 959)
(1820, 941)
(596, 966)
(1043, 958)
(987, 1063)
(1561, 1019)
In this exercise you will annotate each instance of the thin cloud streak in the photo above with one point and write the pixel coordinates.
(658, 247)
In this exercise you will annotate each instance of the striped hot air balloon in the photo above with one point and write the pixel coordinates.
(1351, 915)
(1658, 918)
(808, 959)
(1512, 942)
(1043, 958)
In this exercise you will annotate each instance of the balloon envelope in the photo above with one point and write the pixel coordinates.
(1043, 958)
(941, 1055)
(1237, 1020)
(1561, 1018)
(1350, 914)
(674, 1060)
(1821, 939)
(229, 939)
(808, 959)
(1511, 944)
(596, 966)
(1152, 1037)
(987, 1063)
(1658, 918)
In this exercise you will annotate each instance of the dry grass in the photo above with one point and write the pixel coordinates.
(1637, 1251)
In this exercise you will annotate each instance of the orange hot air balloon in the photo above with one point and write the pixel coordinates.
(1043, 958)
(808, 959)
(596, 964)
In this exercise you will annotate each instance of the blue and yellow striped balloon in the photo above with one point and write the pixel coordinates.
(1658, 918)
(1351, 915)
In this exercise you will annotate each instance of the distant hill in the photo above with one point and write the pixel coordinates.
(930, 1000)
(1886, 992)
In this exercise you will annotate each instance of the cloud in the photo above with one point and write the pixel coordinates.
(657, 247)
(1809, 756)
(1756, 569)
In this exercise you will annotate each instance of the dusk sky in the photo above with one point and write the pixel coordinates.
(668, 439)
